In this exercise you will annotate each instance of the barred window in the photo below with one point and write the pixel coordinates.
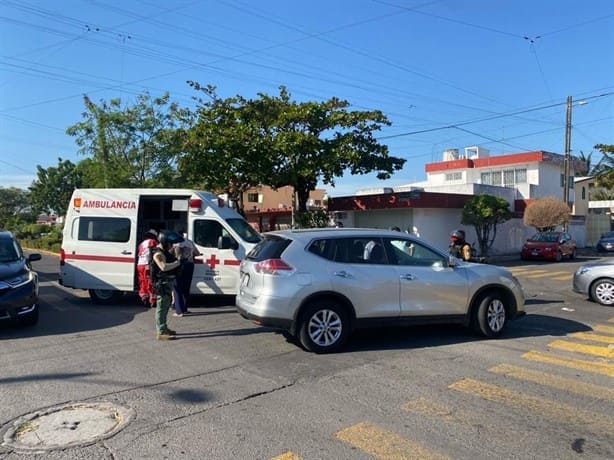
(508, 177)
(521, 176)
(486, 178)
(496, 178)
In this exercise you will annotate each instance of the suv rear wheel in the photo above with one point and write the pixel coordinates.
(324, 328)
(104, 296)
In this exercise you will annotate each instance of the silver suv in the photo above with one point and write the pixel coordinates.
(320, 284)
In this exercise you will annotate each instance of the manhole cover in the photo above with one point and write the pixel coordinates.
(66, 426)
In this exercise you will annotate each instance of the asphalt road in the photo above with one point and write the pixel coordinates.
(228, 389)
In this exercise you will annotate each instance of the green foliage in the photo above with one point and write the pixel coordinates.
(485, 212)
(317, 218)
(604, 169)
(15, 208)
(546, 213)
(601, 194)
(37, 236)
(275, 141)
(52, 189)
(131, 146)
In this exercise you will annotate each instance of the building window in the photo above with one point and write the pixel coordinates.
(584, 193)
(496, 178)
(454, 176)
(521, 176)
(252, 197)
(486, 178)
(508, 177)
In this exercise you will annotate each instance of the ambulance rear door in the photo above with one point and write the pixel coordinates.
(99, 245)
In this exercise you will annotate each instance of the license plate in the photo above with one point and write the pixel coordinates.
(534, 253)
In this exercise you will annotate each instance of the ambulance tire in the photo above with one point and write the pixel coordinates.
(104, 296)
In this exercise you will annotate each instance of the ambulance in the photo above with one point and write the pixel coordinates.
(104, 226)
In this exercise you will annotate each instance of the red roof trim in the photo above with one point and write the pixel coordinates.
(500, 160)
(398, 201)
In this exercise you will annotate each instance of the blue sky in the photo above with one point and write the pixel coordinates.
(447, 73)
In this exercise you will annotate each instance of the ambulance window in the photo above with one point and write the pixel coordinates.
(244, 230)
(110, 229)
(207, 232)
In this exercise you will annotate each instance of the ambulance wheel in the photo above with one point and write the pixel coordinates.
(104, 296)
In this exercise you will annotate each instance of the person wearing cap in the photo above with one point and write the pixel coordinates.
(185, 251)
(146, 293)
(458, 246)
(164, 269)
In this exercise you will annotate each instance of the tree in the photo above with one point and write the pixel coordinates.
(485, 212)
(546, 213)
(223, 148)
(15, 208)
(314, 141)
(604, 169)
(274, 141)
(52, 189)
(586, 164)
(133, 146)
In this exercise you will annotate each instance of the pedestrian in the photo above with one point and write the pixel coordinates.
(146, 293)
(164, 269)
(185, 251)
(458, 246)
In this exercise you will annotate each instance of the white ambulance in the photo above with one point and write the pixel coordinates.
(104, 226)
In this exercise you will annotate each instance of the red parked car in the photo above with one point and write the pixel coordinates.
(549, 246)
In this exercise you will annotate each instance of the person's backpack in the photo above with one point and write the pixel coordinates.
(155, 273)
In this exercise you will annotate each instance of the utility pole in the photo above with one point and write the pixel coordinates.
(567, 153)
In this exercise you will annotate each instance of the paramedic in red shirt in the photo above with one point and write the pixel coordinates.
(146, 290)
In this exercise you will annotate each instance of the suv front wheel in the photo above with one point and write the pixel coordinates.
(491, 315)
(324, 327)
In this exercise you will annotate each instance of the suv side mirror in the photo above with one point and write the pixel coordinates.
(33, 257)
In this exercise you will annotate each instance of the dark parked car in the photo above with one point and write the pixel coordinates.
(606, 242)
(549, 246)
(18, 282)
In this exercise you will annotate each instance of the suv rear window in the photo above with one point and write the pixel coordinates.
(271, 247)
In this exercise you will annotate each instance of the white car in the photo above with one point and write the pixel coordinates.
(320, 284)
(596, 281)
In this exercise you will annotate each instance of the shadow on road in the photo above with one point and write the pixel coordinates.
(532, 325)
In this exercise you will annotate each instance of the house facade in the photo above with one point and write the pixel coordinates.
(519, 178)
(271, 209)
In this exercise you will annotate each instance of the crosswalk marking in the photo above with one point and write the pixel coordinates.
(563, 278)
(553, 410)
(431, 408)
(604, 352)
(554, 381)
(593, 337)
(603, 328)
(385, 444)
(587, 366)
(287, 456)
(520, 271)
(611, 320)
(546, 274)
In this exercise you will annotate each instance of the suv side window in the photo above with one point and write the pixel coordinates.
(405, 252)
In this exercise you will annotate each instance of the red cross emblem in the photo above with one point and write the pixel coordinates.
(212, 261)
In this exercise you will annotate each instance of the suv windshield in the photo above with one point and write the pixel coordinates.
(8, 251)
(244, 230)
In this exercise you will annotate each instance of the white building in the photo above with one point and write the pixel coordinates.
(518, 177)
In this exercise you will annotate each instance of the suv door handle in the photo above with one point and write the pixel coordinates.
(342, 274)
(408, 277)
(126, 252)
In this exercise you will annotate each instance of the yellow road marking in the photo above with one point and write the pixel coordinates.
(604, 352)
(430, 408)
(562, 278)
(587, 366)
(553, 410)
(287, 456)
(543, 275)
(604, 328)
(527, 270)
(553, 381)
(593, 337)
(385, 444)
(611, 320)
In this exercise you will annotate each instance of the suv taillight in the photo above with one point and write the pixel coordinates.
(62, 257)
(273, 267)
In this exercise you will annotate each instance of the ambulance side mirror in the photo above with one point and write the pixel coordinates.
(226, 242)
